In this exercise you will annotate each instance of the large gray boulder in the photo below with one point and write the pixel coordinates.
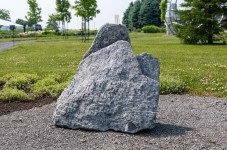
(112, 89)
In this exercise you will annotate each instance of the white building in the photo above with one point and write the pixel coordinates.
(4, 25)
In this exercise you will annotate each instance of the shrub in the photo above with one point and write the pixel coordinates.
(20, 81)
(48, 86)
(55, 77)
(170, 85)
(10, 94)
(153, 29)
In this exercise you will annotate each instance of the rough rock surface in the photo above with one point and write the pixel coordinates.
(112, 89)
(107, 35)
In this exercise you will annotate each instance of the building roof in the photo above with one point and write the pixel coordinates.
(8, 23)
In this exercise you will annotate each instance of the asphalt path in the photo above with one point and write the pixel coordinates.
(7, 45)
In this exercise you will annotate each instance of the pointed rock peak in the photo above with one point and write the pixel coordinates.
(107, 35)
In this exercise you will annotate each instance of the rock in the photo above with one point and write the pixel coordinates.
(108, 34)
(112, 89)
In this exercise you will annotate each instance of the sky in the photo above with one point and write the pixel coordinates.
(108, 8)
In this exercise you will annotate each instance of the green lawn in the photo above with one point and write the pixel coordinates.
(201, 68)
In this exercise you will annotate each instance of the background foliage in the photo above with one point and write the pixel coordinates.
(142, 13)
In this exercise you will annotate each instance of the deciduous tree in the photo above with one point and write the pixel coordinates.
(63, 13)
(52, 22)
(34, 13)
(22, 22)
(163, 7)
(4, 14)
(87, 10)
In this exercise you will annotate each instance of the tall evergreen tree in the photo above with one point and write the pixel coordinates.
(149, 13)
(125, 20)
(130, 15)
(200, 20)
(135, 15)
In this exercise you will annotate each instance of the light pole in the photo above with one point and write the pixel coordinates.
(12, 28)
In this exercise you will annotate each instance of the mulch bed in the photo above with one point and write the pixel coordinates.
(9, 107)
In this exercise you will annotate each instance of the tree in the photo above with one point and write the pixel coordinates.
(200, 20)
(34, 13)
(4, 14)
(163, 7)
(130, 15)
(22, 22)
(135, 15)
(142, 13)
(52, 22)
(63, 13)
(149, 13)
(87, 10)
(126, 19)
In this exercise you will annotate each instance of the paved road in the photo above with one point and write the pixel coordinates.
(7, 45)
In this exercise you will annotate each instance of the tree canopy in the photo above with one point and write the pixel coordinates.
(34, 13)
(4, 14)
(126, 19)
(150, 13)
(200, 21)
(142, 13)
(87, 9)
(63, 13)
(135, 14)
(22, 22)
(163, 7)
(52, 22)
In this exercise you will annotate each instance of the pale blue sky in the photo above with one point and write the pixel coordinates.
(19, 8)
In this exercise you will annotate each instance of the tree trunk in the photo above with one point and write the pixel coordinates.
(210, 39)
(24, 27)
(88, 29)
(62, 29)
(85, 31)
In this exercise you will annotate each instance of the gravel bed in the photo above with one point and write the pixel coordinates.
(183, 122)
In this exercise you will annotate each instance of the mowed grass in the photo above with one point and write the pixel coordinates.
(44, 57)
(201, 68)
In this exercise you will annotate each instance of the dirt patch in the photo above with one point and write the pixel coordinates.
(9, 107)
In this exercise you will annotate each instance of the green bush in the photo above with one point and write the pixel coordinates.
(20, 81)
(153, 29)
(10, 94)
(170, 85)
(48, 87)
(56, 77)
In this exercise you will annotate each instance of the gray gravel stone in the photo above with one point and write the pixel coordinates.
(112, 89)
(107, 35)
(183, 122)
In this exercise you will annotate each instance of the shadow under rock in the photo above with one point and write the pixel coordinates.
(165, 130)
